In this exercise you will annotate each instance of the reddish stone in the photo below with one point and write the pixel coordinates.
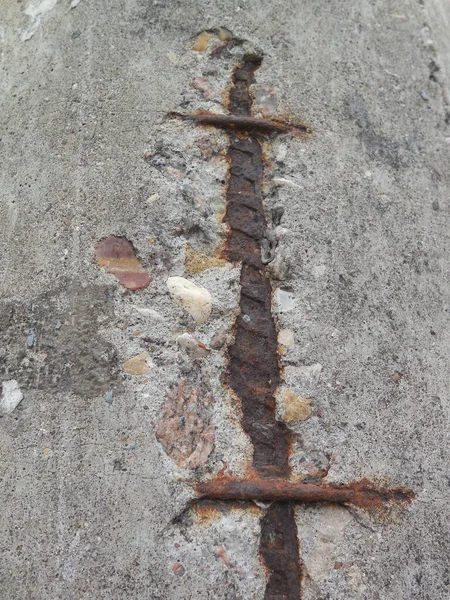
(118, 257)
(178, 569)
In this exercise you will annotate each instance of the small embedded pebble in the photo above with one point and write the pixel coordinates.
(153, 198)
(149, 313)
(424, 96)
(281, 153)
(30, 338)
(192, 298)
(294, 408)
(396, 377)
(178, 569)
(218, 340)
(284, 300)
(192, 346)
(286, 338)
(282, 181)
(138, 365)
(11, 396)
(224, 34)
(109, 398)
(118, 257)
(202, 41)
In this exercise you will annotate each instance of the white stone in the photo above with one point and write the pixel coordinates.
(284, 300)
(149, 313)
(11, 396)
(153, 198)
(319, 270)
(188, 343)
(332, 525)
(286, 338)
(192, 298)
(304, 378)
(281, 233)
(281, 153)
(281, 181)
(35, 10)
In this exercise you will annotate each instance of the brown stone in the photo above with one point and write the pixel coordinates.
(184, 429)
(202, 41)
(396, 377)
(118, 257)
(138, 365)
(295, 408)
(178, 569)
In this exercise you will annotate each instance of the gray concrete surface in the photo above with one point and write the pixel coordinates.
(92, 507)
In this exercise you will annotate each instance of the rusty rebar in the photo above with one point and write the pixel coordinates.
(242, 123)
(363, 493)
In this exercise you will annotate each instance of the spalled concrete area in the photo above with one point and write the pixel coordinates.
(93, 505)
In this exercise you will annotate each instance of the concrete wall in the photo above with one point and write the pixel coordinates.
(95, 460)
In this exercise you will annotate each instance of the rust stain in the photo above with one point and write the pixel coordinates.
(118, 257)
(363, 493)
(206, 511)
(196, 262)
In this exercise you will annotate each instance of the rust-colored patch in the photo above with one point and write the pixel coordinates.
(184, 428)
(206, 511)
(196, 262)
(118, 257)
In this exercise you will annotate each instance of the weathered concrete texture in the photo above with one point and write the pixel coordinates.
(93, 505)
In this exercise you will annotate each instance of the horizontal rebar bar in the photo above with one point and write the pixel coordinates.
(242, 123)
(363, 493)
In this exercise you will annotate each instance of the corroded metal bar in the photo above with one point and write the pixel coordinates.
(363, 493)
(243, 123)
(253, 370)
(279, 550)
